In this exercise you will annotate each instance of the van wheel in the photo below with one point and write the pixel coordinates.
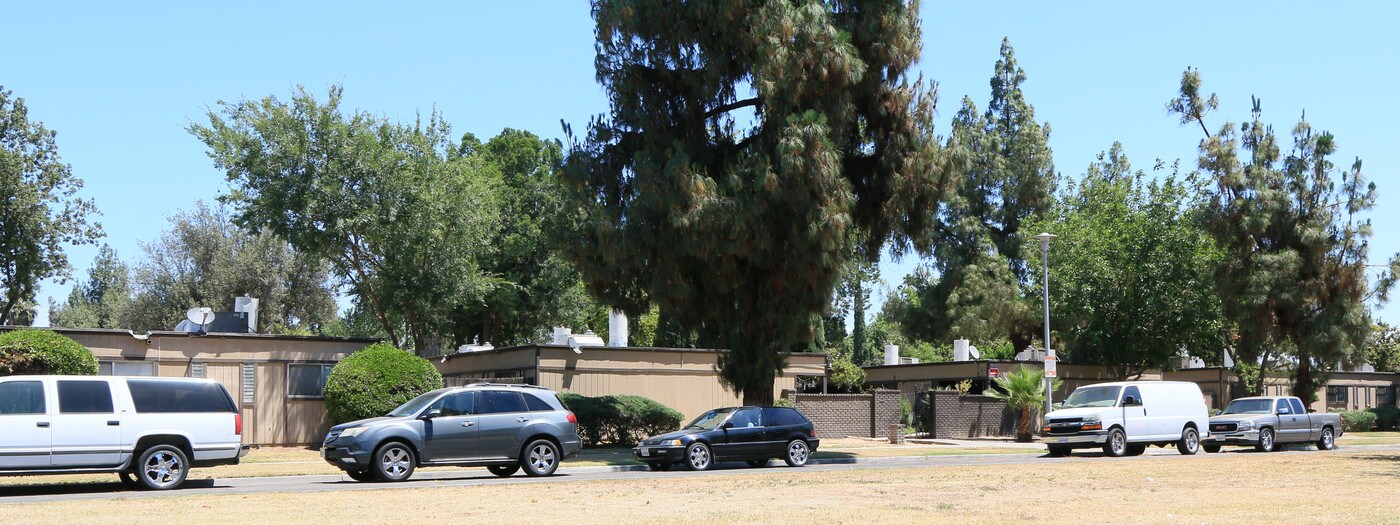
(1117, 443)
(1211, 448)
(541, 458)
(393, 462)
(162, 467)
(1328, 441)
(504, 471)
(1057, 451)
(1266, 441)
(1190, 442)
(361, 475)
(1137, 449)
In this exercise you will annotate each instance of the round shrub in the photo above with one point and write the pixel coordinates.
(1357, 421)
(377, 379)
(40, 352)
(620, 420)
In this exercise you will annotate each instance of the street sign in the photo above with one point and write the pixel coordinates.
(1050, 366)
(992, 371)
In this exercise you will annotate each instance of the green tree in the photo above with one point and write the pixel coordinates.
(39, 212)
(204, 259)
(1130, 272)
(1023, 389)
(978, 252)
(1383, 348)
(399, 211)
(103, 301)
(1292, 278)
(746, 143)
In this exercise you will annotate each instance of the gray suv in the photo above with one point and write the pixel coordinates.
(501, 427)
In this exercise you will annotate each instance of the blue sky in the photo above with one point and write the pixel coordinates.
(119, 82)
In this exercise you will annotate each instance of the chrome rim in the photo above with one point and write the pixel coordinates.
(1327, 438)
(1192, 440)
(395, 462)
(797, 450)
(542, 457)
(1120, 442)
(163, 469)
(699, 457)
(1266, 440)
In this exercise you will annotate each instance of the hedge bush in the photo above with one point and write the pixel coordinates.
(40, 352)
(620, 420)
(375, 380)
(1357, 421)
(1387, 417)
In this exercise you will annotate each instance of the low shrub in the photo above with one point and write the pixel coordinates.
(375, 380)
(1387, 417)
(1357, 421)
(620, 420)
(42, 352)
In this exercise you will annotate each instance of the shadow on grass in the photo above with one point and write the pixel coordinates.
(91, 487)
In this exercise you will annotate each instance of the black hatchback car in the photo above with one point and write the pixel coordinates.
(752, 434)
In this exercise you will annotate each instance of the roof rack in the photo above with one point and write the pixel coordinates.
(506, 384)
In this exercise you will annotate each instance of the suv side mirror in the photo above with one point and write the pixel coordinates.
(436, 412)
(727, 425)
(1285, 411)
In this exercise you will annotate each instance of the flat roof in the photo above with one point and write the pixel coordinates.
(175, 333)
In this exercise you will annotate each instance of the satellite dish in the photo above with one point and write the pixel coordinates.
(972, 351)
(200, 316)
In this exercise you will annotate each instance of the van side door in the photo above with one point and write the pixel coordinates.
(1134, 413)
(24, 414)
(87, 431)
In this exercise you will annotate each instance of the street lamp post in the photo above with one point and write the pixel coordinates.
(1045, 239)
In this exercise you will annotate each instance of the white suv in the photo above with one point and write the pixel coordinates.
(150, 430)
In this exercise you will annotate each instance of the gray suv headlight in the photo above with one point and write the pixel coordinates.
(352, 431)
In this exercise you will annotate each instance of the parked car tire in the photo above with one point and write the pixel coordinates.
(1328, 441)
(1266, 441)
(1057, 451)
(698, 457)
(1211, 448)
(393, 461)
(659, 466)
(162, 467)
(755, 463)
(504, 471)
(798, 453)
(1136, 449)
(541, 458)
(1190, 442)
(361, 475)
(1117, 443)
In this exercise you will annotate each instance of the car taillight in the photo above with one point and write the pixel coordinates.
(238, 424)
(572, 418)
(814, 432)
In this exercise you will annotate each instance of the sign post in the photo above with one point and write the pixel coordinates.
(992, 371)
(1050, 365)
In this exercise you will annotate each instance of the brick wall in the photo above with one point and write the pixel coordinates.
(842, 415)
(953, 416)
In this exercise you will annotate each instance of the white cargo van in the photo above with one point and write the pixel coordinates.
(1124, 418)
(149, 430)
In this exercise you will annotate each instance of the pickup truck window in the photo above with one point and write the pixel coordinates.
(22, 397)
(1093, 396)
(1282, 407)
(1249, 406)
(84, 397)
(1297, 405)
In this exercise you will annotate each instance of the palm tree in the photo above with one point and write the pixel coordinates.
(1023, 389)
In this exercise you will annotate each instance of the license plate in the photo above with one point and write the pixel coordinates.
(1060, 440)
(644, 452)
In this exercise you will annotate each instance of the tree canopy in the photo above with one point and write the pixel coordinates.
(39, 213)
(745, 143)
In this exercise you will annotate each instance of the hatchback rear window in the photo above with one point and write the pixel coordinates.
(782, 416)
(157, 396)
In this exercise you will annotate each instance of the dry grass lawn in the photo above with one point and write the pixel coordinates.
(1307, 487)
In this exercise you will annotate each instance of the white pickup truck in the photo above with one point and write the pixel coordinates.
(1269, 421)
(149, 430)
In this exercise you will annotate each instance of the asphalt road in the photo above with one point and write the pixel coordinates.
(468, 477)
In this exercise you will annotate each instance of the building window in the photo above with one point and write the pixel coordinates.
(126, 368)
(1386, 396)
(307, 380)
(1336, 396)
(196, 369)
(249, 373)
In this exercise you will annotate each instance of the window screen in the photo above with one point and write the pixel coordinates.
(154, 395)
(196, 369)
(22, 397)
(249, 373)
(307, 380)
(497, 402)
(84, 397)
(126, 368)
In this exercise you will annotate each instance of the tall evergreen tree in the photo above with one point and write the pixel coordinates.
(978, 253)
(1293, 275)
(103, 301)
(746, 142)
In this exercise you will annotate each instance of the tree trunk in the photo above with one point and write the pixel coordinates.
(760, 394)
(1023, 428)
(1304, 388)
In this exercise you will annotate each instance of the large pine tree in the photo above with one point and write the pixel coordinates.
(746, 143)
